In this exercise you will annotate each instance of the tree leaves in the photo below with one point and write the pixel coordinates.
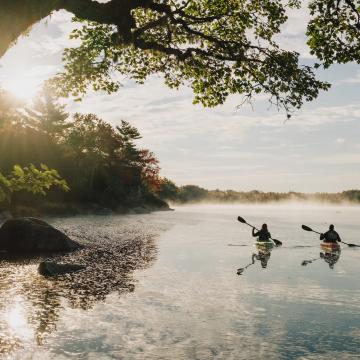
(334, 31)
(216, 47)
(30, 179)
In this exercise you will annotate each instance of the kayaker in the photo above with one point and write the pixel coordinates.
(331, 236)
(263, 234)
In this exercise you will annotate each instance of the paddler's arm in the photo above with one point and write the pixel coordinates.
(322, 236)
(254, 233)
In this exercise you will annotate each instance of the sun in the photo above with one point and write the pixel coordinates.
(22, 82)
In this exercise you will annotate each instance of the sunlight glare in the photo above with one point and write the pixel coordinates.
(17, 322)
(22, 82)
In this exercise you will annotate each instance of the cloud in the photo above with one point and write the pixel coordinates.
(353, 80)
(338, 159)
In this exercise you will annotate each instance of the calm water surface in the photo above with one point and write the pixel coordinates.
(177, 295)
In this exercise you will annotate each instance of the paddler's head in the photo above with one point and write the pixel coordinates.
(264, 227)
(331, 227)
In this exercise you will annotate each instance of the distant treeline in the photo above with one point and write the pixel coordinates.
(193, 194)
(101, 164)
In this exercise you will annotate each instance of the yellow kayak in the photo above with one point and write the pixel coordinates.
(328, 246)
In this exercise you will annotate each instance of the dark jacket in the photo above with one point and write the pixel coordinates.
(263, 235)
(330, 236)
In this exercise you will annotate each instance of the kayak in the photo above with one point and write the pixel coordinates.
(327, 246)
(264, 245)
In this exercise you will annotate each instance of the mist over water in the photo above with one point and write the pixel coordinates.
(187, 301)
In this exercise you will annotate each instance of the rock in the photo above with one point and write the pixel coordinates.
(49, 268)
(31, 235)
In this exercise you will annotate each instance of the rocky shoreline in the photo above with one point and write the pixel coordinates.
(80, 210)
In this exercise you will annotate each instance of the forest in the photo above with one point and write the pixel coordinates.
(188, 194)
(81, 162)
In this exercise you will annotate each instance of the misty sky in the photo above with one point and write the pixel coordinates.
(242, 149)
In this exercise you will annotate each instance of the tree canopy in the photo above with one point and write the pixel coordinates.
(217, 47)
(334, 31)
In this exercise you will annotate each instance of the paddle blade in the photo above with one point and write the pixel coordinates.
(306, 228)
(242, 220)
(277, 242)
(353, 245)
(240, 271)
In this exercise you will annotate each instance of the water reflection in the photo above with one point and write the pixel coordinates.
(263, 256)
(31, 305)
(330, 256)
(188, 304)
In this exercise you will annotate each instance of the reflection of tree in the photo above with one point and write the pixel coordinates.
(44, 306)
(109, 268)
(8, 345)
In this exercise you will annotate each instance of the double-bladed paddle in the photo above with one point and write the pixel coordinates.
(306, 228)
(242, 220)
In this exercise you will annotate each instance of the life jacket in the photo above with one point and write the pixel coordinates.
(331, 235)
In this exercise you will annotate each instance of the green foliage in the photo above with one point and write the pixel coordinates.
(168, 190)
(102, 165)
(30, 179)
(217, 47)
(47, 115)
(183, 194)
(334, 31)
(352, 195)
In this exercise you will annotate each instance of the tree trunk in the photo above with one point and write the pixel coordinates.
(17, 16)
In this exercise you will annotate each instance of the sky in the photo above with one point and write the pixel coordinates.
(226, 147)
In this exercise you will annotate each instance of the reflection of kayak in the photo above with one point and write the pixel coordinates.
(264, 245)
(326, 246)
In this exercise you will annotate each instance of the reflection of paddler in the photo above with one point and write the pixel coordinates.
(330, 256)
(263, 256)
(330, 253)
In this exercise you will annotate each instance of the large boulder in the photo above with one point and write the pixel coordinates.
(31, 235)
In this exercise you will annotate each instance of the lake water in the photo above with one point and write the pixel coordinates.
(165, 286)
